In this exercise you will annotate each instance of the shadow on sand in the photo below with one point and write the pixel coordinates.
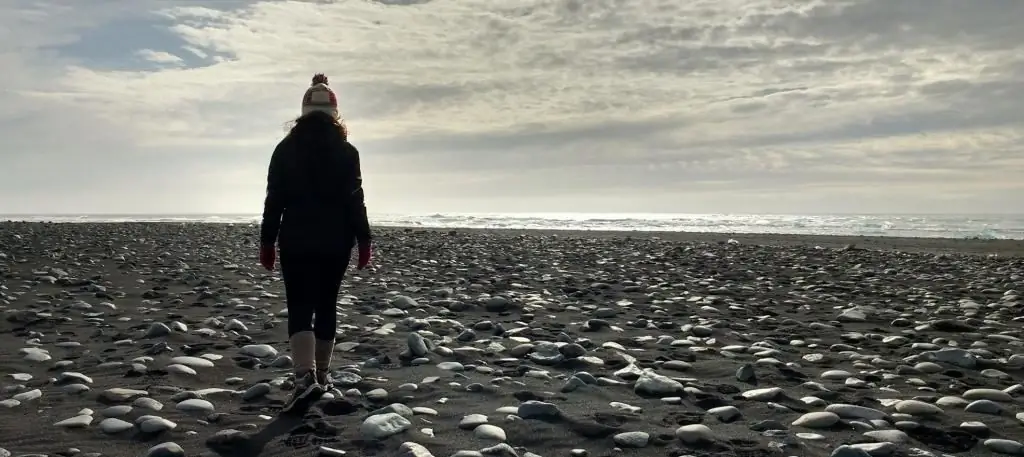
(233, 443)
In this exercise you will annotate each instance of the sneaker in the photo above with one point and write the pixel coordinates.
(307, 390)
(324, 379)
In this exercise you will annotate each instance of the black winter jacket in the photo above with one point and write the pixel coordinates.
(321, 211)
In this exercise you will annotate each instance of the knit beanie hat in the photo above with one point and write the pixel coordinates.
(320, 97)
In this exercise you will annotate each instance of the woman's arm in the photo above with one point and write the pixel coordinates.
(273, 205)
(357, 215)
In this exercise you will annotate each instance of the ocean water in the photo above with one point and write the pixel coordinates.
(927, 226)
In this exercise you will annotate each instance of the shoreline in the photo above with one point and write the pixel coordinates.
(967, 246)
(927, 245)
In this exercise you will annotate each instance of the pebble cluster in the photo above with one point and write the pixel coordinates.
(167, 340)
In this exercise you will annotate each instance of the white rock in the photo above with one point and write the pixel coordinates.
(654, 384)
(765, 394)
(411, 449)
(892, 436)
(725, 413)
(632, 439)
(113, 425)
(379, 426)
(835, 374)
(488, 431)
(855, 412)
(1008, 447)
(987, 394)
(28, 395)
(917, 408)
(818, 419)
(695, 433)
(258, 350)
(167, 449)
(193, 362)
(75, 422)
(195, 405)
(155, 424)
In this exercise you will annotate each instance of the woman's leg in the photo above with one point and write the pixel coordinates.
(326, 320)
(300, 294)
(299, 274)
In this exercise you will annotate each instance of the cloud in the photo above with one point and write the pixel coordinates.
(596, 105)
(160, 57)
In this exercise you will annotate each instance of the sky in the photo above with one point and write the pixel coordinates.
(698, 106)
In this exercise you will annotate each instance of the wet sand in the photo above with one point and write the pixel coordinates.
(169, 339)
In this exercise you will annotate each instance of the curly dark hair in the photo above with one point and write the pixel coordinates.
(317, 120)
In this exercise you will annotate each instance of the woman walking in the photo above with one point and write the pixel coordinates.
(314, 214)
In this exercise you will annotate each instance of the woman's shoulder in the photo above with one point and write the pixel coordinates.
(284, 145)
(348, 147)
(287, 141)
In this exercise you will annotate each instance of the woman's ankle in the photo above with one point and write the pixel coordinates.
(303, 348)
(324, 350)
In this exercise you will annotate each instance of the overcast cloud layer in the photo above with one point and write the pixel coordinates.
(779, 106)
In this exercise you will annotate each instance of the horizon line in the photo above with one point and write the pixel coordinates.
(514, 213)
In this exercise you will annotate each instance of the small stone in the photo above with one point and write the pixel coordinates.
(1004, 446)
(632, 439)
(112, 426)
(917, 408)
(379, 426)
(694, 433)
(81, 421)
(818, 419)
(488, 431)
(168, 449)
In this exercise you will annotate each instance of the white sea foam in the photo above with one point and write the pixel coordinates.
(930, 226)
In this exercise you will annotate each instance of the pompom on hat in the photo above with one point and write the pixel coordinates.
(320, 97)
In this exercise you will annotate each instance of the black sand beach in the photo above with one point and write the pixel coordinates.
(169, 340)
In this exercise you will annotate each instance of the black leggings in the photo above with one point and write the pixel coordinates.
(311, 283)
